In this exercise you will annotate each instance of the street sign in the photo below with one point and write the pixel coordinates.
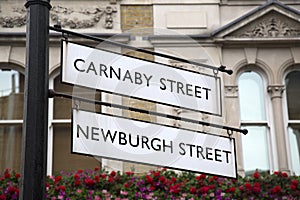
(131, 140)
(141, 79)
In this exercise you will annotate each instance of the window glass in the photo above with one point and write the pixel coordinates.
(255, 150)
(292, 82)
(63, 160)
(252, 110)
(251, 97)
(11, 95)
(10, 147)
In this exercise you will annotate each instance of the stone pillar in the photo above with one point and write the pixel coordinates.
(276, 98)
(231, 105)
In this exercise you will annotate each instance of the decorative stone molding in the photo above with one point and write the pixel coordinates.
(231, 91)
(276, 91)
(66, 16)
(82, 18)
(269, 26)
(17, 18)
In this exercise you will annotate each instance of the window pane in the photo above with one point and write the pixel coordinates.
(294, 136)
(251, 96)
(63, 160)
(10, 147)
(292, 82)
(63, 106)
(11, 95)
(255, 149)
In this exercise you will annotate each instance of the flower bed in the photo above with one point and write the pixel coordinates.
(159, 184)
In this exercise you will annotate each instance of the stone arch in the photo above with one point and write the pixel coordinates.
(14, 65)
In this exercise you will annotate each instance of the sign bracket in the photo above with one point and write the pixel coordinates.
(58, 28)
(52, 93)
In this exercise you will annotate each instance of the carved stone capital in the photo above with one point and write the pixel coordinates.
(231, 91)
(276, 91)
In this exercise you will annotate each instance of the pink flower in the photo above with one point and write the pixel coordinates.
(123, 192)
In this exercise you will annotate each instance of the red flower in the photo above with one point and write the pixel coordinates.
(173, 179)
(11, 189)
(293, 187)
(248, 186)
(62, 188)
(202, 176)
(149, 179)
(204, 189)
(162, 179)
(276, 189)
(77, 182)
(110, 179)
(17, 176)
(129, 173)
(175, 188)
(193, 190)
(97, 179)
(231, 190)
(256, 175)
(89, 182)
(7, 175)
(57, 179)
(156, 173)
(2, 197)
(76, 176)
(103, 176)
(96, 168)
(294, 182)
(152, 188)
(113, 173)
(79, 171)
(126, 185)
(256, 188)
(284, 174)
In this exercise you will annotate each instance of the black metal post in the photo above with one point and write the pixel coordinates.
(35, 126)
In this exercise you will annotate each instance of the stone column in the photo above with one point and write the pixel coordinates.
(276, 98)
(231, 106)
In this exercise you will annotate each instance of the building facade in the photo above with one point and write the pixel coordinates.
(259, 40)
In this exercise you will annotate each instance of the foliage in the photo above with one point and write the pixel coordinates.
(159, 184)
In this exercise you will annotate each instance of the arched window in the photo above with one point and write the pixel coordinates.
(11, 115)
(292, 84)
(61, 158)
(253, 117)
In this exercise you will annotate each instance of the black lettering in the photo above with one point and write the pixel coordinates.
(200, 151)
(217, 155)
(94, 133)
(208, 153)
(158, 146)
(127, 76)
(85, 134)
(180, 87)
(227, 152)
(122, 138)
(138, 78)
(168, 146)
(197, 91)
(91, 68)
(137, 141)
(145, 141)
(117, 74)
(112, 138)
(206, 93)
(163, 87)
(191, 148)
(76, 67)
(181, 146)
(171, 84)
(147, 79)
(189, 90)
(103, 69)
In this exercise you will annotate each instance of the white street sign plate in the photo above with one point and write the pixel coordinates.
(125, 139)
(141, 79)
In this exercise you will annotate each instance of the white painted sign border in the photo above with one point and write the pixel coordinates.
(210, 85)
(220, 163)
